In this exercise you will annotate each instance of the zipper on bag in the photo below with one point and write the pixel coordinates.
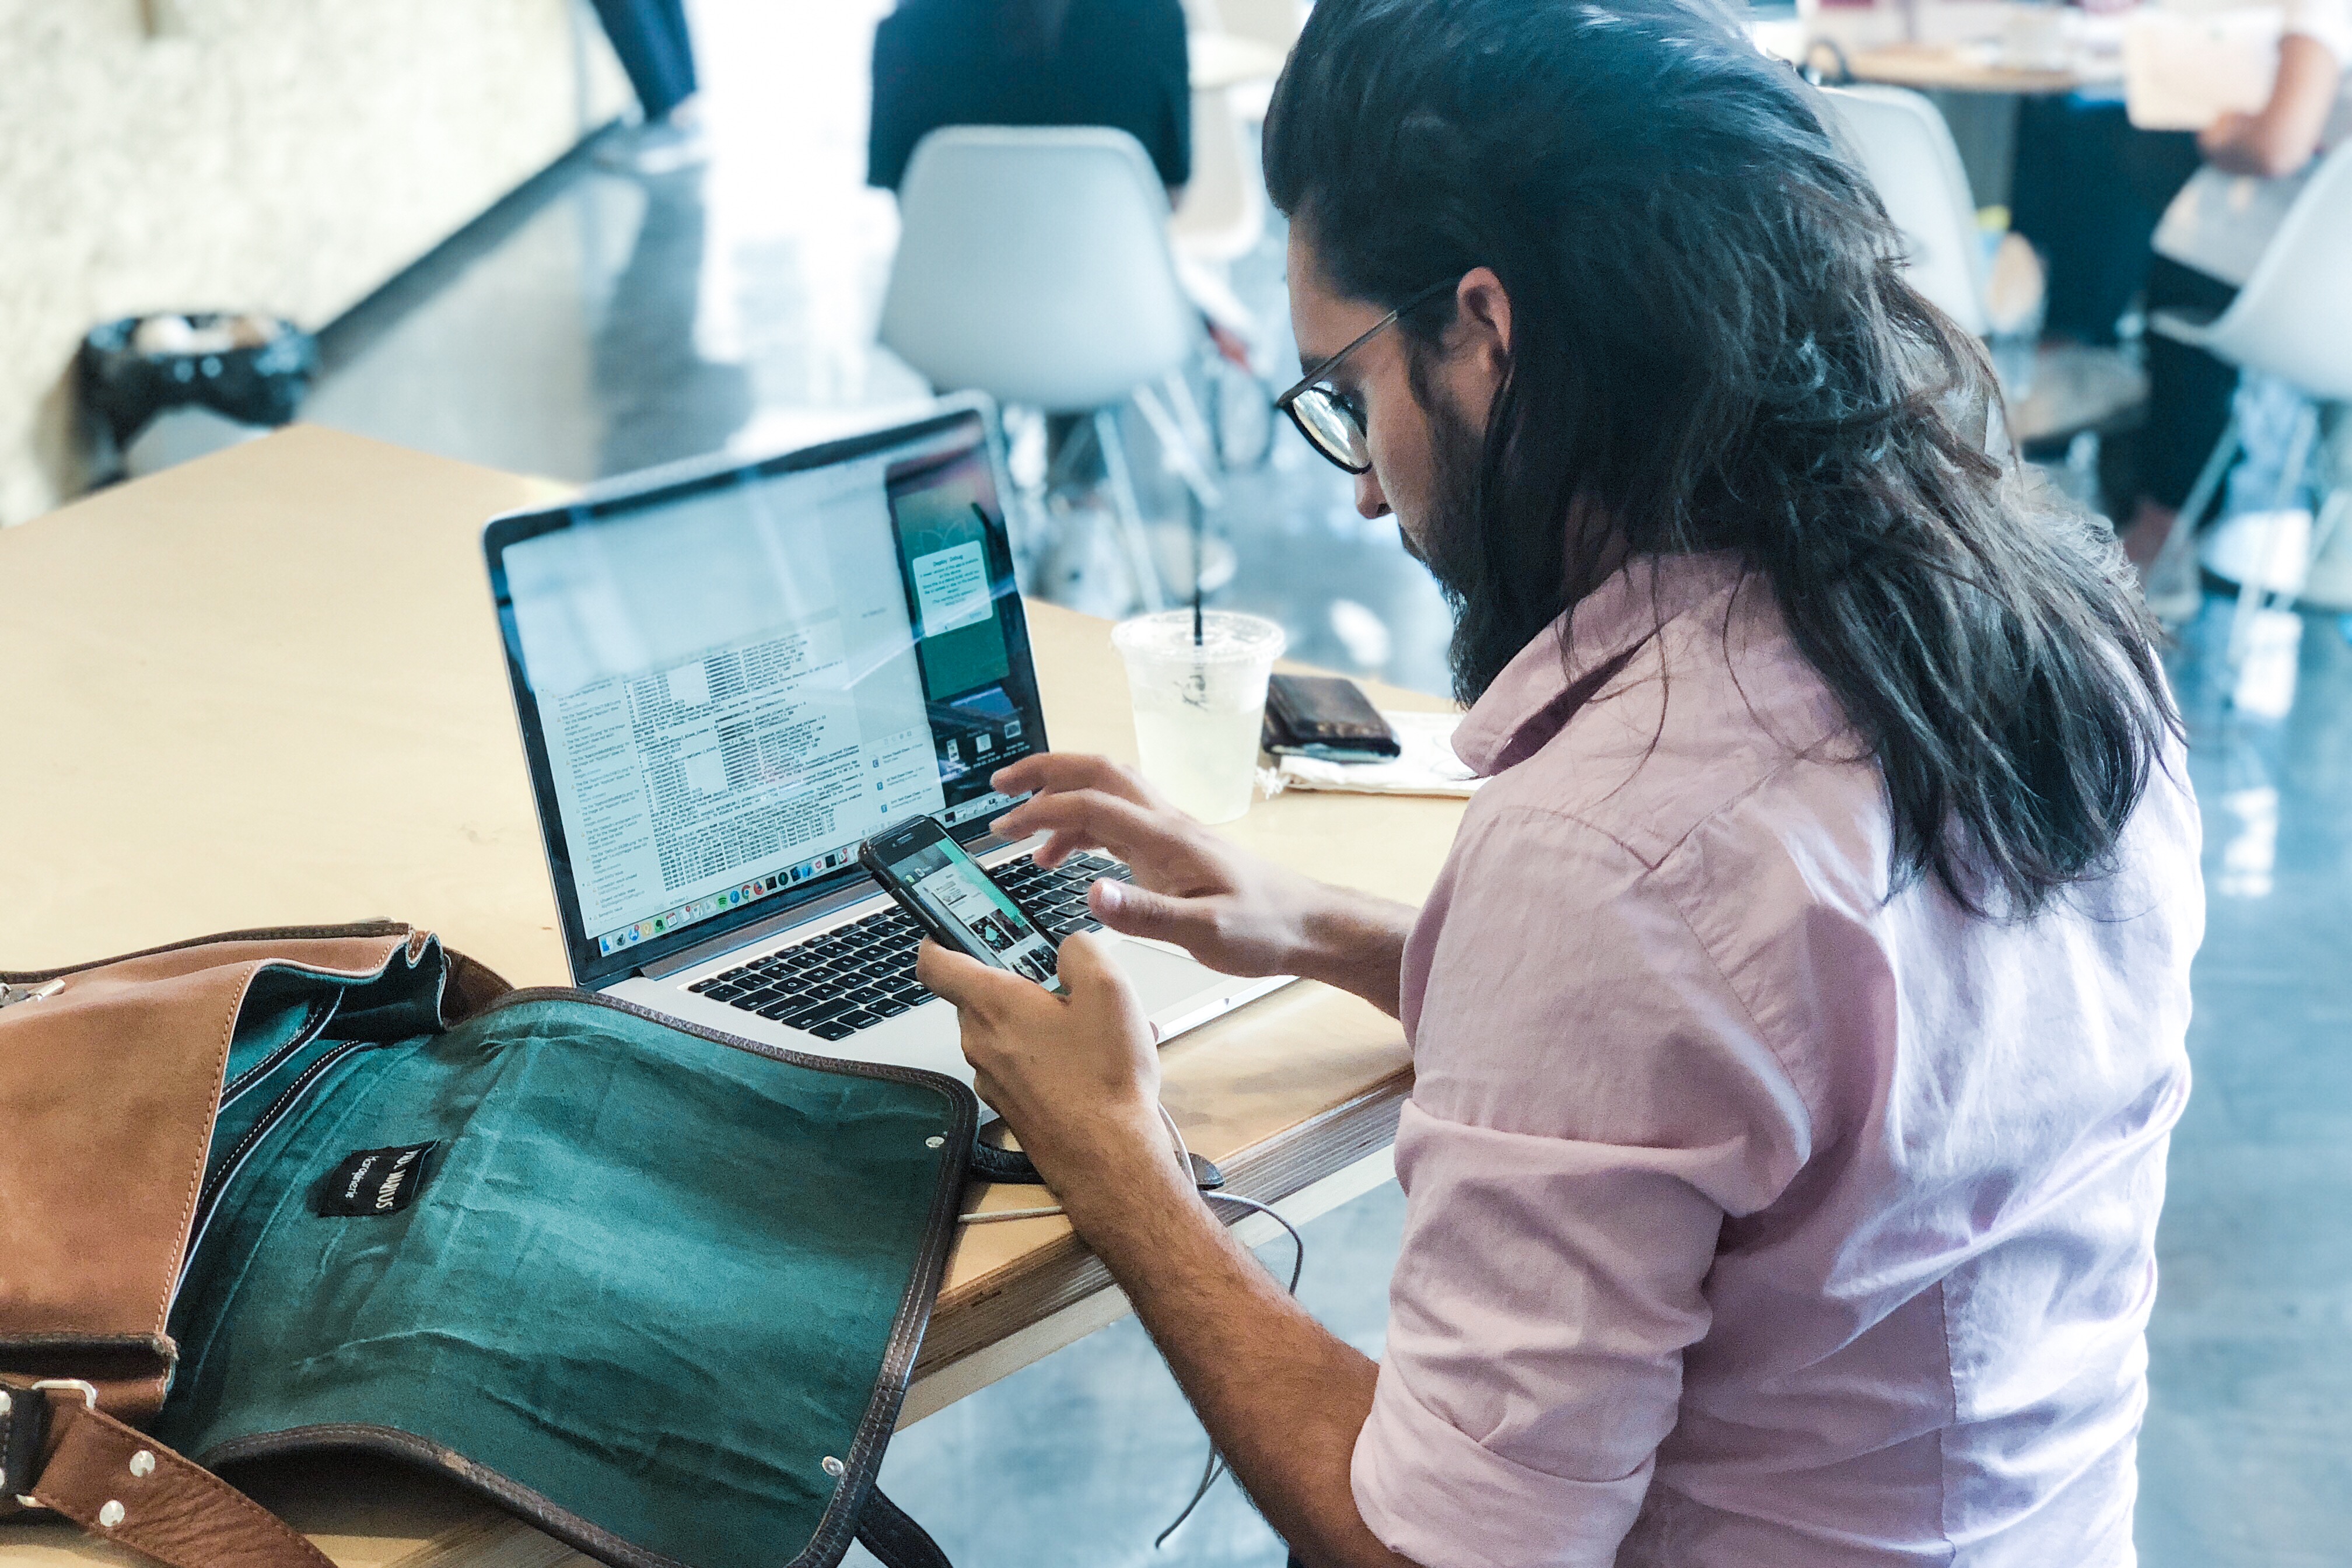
(208, 1201)
(322, 1015)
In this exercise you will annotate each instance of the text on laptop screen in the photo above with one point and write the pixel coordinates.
(737, 684)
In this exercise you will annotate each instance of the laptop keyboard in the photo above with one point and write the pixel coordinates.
(860, 974)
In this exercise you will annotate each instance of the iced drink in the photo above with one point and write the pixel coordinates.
(1199, 708)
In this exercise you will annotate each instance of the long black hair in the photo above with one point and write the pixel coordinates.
(1713, 348)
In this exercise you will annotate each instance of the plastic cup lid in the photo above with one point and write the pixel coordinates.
(1227, 637)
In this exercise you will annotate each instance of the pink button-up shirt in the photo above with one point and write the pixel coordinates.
(1753, 1218)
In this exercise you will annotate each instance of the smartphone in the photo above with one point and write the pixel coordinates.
(952, 898)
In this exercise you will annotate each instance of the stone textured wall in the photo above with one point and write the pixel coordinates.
(288, 156)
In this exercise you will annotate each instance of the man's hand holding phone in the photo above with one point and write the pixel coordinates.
(1075, 1075)
(1233, 910)
(1057, 1040)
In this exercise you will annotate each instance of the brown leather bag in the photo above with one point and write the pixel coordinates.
(99, 1170)
(585, 1201)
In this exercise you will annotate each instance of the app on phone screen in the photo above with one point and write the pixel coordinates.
(957, 891)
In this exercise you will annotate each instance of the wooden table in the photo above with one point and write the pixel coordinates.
(1960, 45)
(267, 687)
(1963, 68)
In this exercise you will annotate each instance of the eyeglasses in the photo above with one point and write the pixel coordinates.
(1333, 421)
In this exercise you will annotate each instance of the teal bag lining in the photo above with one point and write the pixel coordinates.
(653, 1278)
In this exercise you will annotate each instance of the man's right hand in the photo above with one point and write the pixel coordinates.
(1234, 911)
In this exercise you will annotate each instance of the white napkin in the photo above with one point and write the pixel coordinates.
(1426, 766)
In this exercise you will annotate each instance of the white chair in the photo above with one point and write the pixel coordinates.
(1274, 22)
(1034, 264)
(1240, 44)
(2293, 321)
(1902, 142)
(1222, 217)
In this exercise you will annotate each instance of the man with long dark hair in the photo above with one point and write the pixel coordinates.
(1798, 1021)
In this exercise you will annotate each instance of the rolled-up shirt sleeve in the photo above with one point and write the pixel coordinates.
(1591, 1099)
(2328, 21)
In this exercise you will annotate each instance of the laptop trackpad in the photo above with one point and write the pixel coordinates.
(1162, 979)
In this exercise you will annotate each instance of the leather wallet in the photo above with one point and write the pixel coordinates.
(1327, 717)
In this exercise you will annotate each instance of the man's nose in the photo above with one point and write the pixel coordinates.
(1370, 499)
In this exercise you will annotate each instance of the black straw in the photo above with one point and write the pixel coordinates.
(1199, 566)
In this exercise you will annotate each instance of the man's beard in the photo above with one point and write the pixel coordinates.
(1456, 546)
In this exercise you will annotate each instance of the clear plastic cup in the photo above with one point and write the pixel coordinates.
(1199, 709)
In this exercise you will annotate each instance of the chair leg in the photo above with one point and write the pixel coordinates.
(1200, 440)
(1179, 439)
(2210, 477)
(1065, 461)
(2174, 591)
(2328, 585)
(2331, 517)
(2255, 588)
(1130, 510)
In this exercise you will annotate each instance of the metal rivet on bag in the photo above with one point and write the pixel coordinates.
(111, 1515)
(935, 1142)
(833, 1467)
(143, 1464)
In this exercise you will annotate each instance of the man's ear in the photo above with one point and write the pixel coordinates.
(1483, 316)
(1478, 345)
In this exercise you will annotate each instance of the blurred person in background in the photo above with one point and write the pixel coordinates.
(2245, 172)
(651, 40)
(1124, 64)
(1119, 63)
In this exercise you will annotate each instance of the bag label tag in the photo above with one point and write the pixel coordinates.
(373, 1181)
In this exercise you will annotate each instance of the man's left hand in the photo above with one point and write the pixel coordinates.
(1076, 1076)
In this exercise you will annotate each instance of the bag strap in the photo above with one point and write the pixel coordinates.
(897, 1541)
(68, 1457)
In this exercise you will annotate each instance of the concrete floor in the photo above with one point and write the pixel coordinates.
(611, 321)
(2247, 1455)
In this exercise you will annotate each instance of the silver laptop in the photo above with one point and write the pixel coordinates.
(728, 675)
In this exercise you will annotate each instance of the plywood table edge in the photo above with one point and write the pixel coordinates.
(1053, 1276)
(1065, 1325)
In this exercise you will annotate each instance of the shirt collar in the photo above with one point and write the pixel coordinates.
(1575, 659)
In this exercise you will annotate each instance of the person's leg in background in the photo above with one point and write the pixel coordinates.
(651, 40)
(2074, 196)
(2189, 393)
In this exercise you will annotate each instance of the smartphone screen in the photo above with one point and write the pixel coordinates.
(954, 900)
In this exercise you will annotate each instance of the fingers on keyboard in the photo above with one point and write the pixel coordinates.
(857, 975)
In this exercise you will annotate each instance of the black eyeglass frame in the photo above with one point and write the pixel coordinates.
(1312, 380)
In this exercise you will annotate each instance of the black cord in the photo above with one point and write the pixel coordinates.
(1216, 1463)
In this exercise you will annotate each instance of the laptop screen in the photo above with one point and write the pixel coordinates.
(727, 682)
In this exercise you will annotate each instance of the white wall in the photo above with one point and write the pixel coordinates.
(288, 156)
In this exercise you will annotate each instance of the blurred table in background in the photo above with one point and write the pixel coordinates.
(1970, 67)
(1976, 59)
(2075, 390)
(1972, 45)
